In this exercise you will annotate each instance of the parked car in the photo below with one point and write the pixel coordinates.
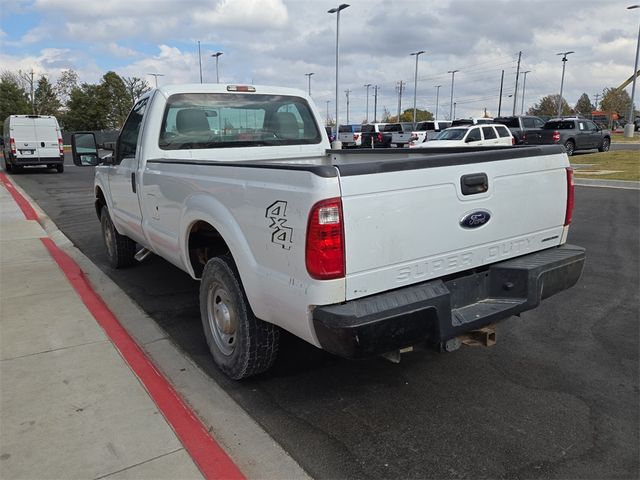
(520, 125)
(471, 136)
(349, 134)
(426, 131)
(32, 140)
(400, 135)
(573, 133)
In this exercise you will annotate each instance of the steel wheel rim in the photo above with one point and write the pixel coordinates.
(605, 145)
(222, 319)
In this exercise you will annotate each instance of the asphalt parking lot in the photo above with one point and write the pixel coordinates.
(557, 397)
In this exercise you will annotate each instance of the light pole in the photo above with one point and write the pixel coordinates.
(453, 75)
(629, 127)
(454, 108)
(564, 64)
(437, 98)
(415, 85)
(217, 55)
(367, 114)
(156, 75)
(524, 85)
(199, 61)
(337, 10)
(308, 75)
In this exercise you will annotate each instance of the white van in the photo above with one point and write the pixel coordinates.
(32, 140)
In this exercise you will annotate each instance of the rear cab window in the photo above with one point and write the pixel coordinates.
(222, 120)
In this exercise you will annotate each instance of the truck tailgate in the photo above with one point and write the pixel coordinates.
(404, 222)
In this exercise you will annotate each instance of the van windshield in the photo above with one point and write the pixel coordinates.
(215, 120)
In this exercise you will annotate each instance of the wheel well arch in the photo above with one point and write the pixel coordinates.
(203, 243)
(100, 201)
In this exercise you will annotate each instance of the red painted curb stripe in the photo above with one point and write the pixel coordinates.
(22, 202)
(213, 461)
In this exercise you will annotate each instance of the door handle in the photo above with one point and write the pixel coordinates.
(474, 183)
(133, 182)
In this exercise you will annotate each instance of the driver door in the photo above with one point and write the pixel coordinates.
(125, 209)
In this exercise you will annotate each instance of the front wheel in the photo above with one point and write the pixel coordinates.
(241, 344)
(121, 250)
(605, 145)
(570, 147)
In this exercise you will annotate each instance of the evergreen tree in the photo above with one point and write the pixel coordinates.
(45, 99)
(584, 106)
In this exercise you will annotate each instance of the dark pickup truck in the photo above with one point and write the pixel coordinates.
(573, 133)
(520, 125)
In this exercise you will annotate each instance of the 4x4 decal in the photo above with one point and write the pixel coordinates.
(282, 234)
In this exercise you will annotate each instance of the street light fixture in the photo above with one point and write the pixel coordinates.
(453, 74)
(630, 126)
(217, 55)
(309, 77)
(524, 85)
(437, 98)
(337, 10)
(415, 86)
(156, 75)
(564, 63)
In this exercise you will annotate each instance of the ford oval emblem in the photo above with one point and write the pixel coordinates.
(475, 219)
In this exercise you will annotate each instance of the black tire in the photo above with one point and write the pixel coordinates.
(570, 147)
(241, 344)
(120, 249)
(605, 145)
(60, 167)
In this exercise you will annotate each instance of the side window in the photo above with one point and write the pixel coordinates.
(538, 123)
(581, 126)
(591, 126)
(488, 133)
(528, 123)
(473, 135)
(128, 140)
(503, 132)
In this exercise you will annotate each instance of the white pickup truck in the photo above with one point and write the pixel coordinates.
(357, 252)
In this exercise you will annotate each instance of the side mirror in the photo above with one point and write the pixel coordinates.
(84, 149)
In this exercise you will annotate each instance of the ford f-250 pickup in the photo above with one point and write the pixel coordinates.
(357, 252)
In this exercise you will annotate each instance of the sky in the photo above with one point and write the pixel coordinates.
(276, 42)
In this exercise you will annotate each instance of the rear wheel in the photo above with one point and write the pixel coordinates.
(120, 249)
(570, 147)
(605, 145)
(241, 344)
(60, 167)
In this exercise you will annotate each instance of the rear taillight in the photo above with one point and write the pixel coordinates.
(379, 137)
(556, 136)
(414, 136)
(356, 136)
(61, 147)
(570, 197)
(12, 145)
(324, 253)
(513, 140)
